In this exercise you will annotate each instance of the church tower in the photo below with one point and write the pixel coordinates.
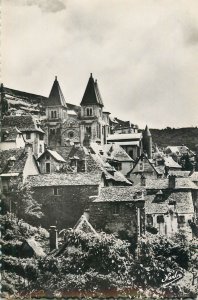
(147, 142)
(93, 127)
(56, 113)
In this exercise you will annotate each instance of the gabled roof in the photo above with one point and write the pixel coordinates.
(84, 225)
(144, 158)
(120, 194)
(169, 162)
(92, 94)
(184, 203)
(23, 123)
(116, 152)
(54, 154)
(35, 247)
(56, 96)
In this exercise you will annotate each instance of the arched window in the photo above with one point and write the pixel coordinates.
(71, 134)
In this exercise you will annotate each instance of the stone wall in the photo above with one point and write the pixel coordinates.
(65, 209)
(119, 218)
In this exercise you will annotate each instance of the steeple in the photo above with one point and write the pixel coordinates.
(147, 131)
(147, 142)
(92, 94)
(56, 97)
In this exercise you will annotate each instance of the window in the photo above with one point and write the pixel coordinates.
(149, 220)
(141, 166)
(56, 191)
(40, 149)
(116, 209)
(41, 136)
(160, 219)
(28, 135)
(181, 221)
(71, 134)
(88, 129)
(53, 114)
(48, 167)
(89, 111)
(52, 131)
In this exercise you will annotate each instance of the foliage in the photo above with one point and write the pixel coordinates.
(20, 201)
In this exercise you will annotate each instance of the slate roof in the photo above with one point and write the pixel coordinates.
(78, 153)
(56, 96)
(10, 134)
(194, 176)
(54, 154)
(60, 179)
(184, 203)
(179, 173)
(116, 152)
(18, 165)
(120, 194)
(92, 94)
(161, 184)
(35, 247)
(84, 225)
(23, 123)
(65, 151)
(124, 136)
(169, 162)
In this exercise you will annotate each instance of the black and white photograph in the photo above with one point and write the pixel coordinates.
(99, 149)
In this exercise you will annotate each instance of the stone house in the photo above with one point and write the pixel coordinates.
(50, 161)
(64, 197)
(30, 128)
(143, 167)
(115, 155)
(169, 205)
(17, 164)
(119, 210)
(11, 138)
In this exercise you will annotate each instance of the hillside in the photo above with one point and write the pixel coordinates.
(174, 137)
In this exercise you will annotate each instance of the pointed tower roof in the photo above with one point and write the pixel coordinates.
(147, 131)
(56, 96)
(92, 94)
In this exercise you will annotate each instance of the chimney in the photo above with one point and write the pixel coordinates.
(171, 181)
(53, 238)
(143, 180)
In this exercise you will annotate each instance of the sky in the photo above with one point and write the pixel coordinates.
(143, 53)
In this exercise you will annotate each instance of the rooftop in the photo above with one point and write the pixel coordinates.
(183, 203)
(124, 136)
(23, 123)
(60, 179)
(56, 96)
(181, 183)
(92, 94)
(120, 194)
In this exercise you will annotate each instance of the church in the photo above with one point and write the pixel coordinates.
(64, 123)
